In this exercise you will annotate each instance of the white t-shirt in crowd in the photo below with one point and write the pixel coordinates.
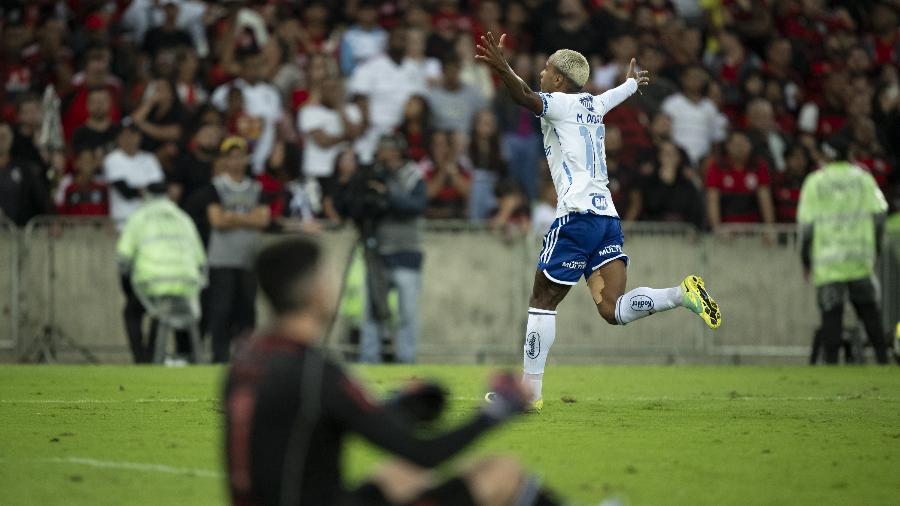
(318, 161)
(136, 171)
(388, 86)
(262, 102)
(695, 125)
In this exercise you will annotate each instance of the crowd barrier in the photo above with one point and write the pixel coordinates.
(9, 284)
(61, 296)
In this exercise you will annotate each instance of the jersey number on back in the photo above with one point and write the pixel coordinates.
(589, 152)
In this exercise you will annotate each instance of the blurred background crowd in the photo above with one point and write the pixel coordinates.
(741, 94)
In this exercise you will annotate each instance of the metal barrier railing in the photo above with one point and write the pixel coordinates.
(61, 293)
(10, 244)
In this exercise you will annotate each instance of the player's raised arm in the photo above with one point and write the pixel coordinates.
(491, 53)
(634, 79)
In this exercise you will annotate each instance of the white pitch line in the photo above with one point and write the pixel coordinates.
(104, 401)
(138, 466)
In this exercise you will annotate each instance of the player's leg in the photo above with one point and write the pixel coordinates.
(540, 331)
(864, 297)
(830, 298)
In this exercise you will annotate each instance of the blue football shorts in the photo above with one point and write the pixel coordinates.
(578, 244)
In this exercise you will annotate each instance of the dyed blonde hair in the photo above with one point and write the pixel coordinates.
(571, 64)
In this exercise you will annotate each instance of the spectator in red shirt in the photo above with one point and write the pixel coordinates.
(866, 151)
(96, 74)
(448, 179)
(884, 44)
(786, 185)
(737, 185)
(416, 118)
(85, 196)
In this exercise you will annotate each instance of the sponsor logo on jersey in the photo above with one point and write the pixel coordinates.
(611, 249)
(533, 345)
(575, 264)
(587, 102)
(641, 303)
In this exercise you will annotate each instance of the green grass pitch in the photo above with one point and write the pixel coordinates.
(648, 435)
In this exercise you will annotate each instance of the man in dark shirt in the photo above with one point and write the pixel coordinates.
(22, 196)
(289, 407)
(166, 36)
(98, 132)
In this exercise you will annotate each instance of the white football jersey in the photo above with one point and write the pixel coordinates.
(572, 124)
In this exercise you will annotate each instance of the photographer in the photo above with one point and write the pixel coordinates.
(386, 202)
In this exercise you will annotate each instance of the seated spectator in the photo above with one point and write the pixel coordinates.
(786, 184)
(85, 195)
(454, 103)
(668, 195)
(194, 168)
(128, 172)
(488, 167)
(363, 39)
(416, 122)
(447, 178)
(826, 115)
(738, 185)
(99, 131)
(160, 117)
(696, 122)
(22, 196)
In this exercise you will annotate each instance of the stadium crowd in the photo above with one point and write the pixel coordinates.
(741, 94)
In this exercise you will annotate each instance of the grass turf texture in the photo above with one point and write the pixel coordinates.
(649, 435)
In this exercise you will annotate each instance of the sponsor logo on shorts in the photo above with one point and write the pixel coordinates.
(575, 264)
(610, 250)
(533, 345)
(641, 303)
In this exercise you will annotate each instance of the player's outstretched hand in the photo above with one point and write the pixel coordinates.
(511, 397)
(641, 76)
(490, 51)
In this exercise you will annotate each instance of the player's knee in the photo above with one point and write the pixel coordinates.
(495, 480)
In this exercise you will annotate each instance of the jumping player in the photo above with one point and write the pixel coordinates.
(586, 238)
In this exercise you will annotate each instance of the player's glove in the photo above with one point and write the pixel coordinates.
(419, 402)
(510, 397)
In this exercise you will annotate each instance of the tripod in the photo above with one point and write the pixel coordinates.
(50, 337)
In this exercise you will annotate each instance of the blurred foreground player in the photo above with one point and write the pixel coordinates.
(289, 408)
(841, 217)
(586, 238)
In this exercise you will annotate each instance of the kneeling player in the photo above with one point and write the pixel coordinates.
(289, 407)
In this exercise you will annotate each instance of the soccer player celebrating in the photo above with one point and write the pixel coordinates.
(586, 238)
